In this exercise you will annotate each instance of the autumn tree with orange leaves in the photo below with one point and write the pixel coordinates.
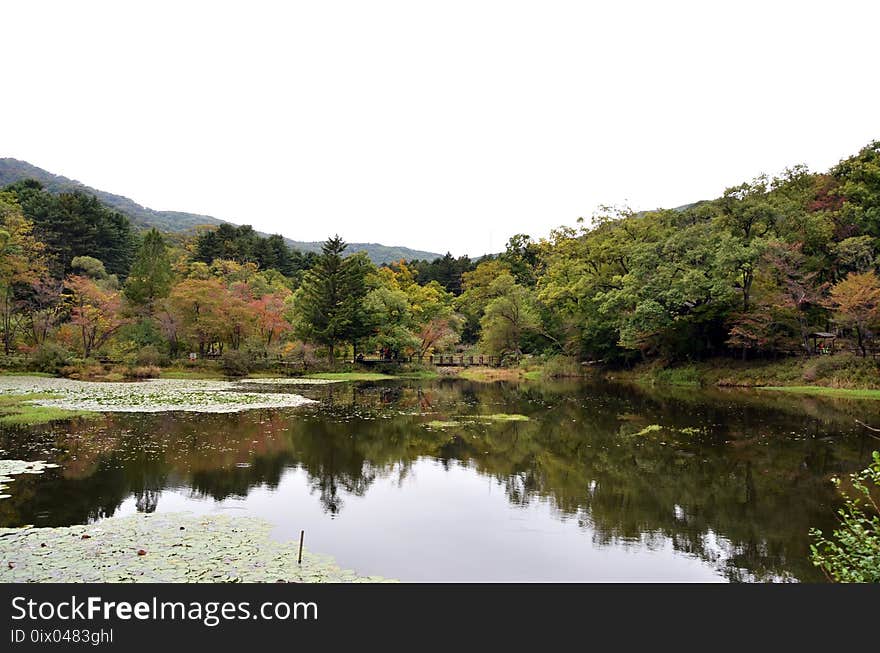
(22, 264)
(856, 304)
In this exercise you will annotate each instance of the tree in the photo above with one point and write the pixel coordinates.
(328, 307)
(477, 292)
(22, 267)
(269, 313)
(407, 317)
(859, 179)
(521, 257)
(855, 254)
(798, 295)
(197, 311)
(95, 311)
(508, 318)
(77, 224)
(151, 275)
(856, 304)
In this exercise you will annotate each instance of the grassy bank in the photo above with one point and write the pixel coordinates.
(350, 376)
(849, 393)
(844, 374)
(16, 410)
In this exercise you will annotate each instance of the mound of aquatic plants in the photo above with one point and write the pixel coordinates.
(350, 376)
(20, 410)
(503, 417)
(162, 548)
(158, 395)
(288, 380)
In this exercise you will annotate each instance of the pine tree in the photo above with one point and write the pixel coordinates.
(151, 275)
(329, 304)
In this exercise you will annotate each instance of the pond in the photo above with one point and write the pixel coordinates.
(451, 480)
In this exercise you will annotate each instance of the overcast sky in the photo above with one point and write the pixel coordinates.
(437, 125)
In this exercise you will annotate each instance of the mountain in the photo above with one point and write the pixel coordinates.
(12, 170)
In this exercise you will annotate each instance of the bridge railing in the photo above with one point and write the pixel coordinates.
(444, 360)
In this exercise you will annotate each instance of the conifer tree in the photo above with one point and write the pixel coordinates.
(151, 275)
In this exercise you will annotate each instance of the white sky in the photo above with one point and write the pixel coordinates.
(437, 125)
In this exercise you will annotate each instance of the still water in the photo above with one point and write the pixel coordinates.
(406, 480)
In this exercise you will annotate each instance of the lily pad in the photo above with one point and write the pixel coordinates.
(153, 396)
(166, 548)
(438, 424)
(10, 468)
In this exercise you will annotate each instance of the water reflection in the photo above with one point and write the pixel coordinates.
(728, 485)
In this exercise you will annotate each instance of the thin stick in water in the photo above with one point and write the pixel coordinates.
(299, 560)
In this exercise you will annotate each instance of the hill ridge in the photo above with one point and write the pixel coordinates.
(13, 170)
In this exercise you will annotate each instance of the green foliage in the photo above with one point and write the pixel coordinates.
(329, 306)
(751, 273)
(150, 356)
(445, 270)
(236, 363)
(50, 357)
(18, 410)
(859, 186)
(151, 275)
(77, 224)
(852, 553)
(244, 245)
(687, 376)
(509, 318)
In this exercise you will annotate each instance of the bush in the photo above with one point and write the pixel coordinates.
(150, 356)
(686, 375)
(50, 358)
(852, 555)
(558, 367)
(142, 372)
(236, 363)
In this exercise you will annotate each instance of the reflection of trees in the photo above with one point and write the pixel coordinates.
(147, 500)
(740, 492)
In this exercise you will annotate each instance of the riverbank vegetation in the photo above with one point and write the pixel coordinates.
(777, 272)
(852, 553)
(843, 371)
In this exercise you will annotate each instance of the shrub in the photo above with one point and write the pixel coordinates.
(686, 375)
(236, 363)
(852, 554)
(150, 356)
(142, 372)
(561, 367)
(50, 358)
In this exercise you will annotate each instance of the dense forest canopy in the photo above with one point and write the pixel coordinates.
(754, 272)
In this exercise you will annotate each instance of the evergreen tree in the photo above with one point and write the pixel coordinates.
(329, 305)
(151, 275)
(76, 224)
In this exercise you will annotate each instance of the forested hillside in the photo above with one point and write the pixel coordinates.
(751, 274)
(13, 170)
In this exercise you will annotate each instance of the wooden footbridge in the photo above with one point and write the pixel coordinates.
(438, 360)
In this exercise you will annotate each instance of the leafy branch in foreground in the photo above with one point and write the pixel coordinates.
(852, 554)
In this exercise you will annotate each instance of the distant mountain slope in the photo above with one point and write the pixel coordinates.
(12, 170)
